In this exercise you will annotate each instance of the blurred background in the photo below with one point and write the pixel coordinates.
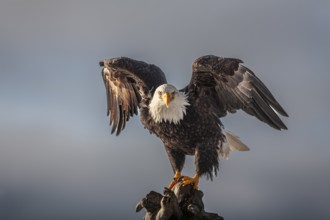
(57, 157)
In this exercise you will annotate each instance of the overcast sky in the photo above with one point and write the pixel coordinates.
(57, 157)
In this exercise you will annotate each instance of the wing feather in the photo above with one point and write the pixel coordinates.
(234, 87)
(127, 81)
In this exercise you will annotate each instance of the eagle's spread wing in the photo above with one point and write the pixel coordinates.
(224, 84)
(126, 82)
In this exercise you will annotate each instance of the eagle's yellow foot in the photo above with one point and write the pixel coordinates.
(175, 180)
(188, 180)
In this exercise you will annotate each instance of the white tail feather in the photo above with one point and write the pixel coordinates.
(231, 143)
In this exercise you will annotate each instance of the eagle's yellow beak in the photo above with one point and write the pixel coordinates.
(167, 98)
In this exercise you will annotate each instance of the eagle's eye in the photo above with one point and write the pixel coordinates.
(160, 93)
(172, 95)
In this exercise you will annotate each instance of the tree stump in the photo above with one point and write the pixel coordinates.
(180, 203)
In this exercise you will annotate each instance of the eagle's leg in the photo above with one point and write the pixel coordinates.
(206, 161)
(177, 159)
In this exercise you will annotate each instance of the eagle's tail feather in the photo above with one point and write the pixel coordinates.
(232, 142)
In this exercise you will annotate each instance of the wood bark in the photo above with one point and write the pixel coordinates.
(180, 203)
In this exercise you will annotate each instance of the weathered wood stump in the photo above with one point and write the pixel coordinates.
(180, 203)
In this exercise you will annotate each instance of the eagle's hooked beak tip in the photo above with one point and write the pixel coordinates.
(167, 99)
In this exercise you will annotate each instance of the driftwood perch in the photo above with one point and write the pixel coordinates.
(180, 203)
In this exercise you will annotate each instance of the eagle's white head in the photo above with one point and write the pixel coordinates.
(168, 104)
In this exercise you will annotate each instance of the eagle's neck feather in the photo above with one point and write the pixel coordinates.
(174, 113)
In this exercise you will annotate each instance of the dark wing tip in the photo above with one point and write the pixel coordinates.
(281, 127)
(284, 113)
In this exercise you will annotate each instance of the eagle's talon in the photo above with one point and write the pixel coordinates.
(175, 180)
(186, 180)
(173, 183)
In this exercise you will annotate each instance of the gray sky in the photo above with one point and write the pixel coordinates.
(57, 157)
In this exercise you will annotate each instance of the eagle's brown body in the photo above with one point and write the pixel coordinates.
(197, 134)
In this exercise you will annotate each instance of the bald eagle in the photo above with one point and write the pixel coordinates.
(188, 120)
